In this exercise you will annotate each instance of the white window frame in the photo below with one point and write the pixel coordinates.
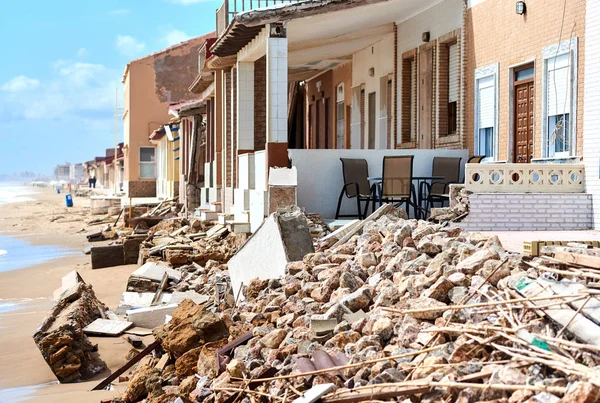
(146, 162)
(481, 73)
(550, 52)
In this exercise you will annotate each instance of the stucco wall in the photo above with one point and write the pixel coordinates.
(496, 34)
(152, 83)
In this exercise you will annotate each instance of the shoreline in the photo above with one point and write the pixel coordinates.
(24, 375)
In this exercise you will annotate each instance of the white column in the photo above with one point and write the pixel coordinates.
(245, 105)
(277, 90)
(591, 105)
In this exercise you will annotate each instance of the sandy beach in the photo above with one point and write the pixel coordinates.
(26, 297)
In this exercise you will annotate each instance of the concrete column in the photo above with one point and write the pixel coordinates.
(277, 97)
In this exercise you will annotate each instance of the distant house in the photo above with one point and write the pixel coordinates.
(152, 83)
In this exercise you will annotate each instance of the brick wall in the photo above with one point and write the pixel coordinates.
(529, 212)
(227, 140)
(142, 189)
(260, 103)
(496, 34)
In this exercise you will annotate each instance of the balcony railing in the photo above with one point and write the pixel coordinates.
(229, 8)
(525, 178)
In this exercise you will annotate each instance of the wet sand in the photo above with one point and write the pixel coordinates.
(26, 297)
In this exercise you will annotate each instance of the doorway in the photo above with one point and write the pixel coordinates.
(524, 95)
(372, 120)
(425, 96)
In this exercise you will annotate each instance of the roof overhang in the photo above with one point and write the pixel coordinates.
(322, 34)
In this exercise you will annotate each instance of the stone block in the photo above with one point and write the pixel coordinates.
(107, 256)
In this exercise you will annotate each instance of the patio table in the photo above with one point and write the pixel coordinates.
(419, 180)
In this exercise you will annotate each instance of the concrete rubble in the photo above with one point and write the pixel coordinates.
(392, 310)
(458, 209)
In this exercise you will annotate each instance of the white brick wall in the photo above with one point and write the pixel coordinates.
(529, 212)
(591, 106)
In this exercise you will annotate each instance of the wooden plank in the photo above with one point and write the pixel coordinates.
(583, 328)
(378, 392)
(107, 327)
(128, 365)
(583, 260)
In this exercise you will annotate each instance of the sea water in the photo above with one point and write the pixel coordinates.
(17, 253)
(11, 193)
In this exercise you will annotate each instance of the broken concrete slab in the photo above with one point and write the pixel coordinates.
(130, 300)
(107, 256)
(107, 327)
(154, 271)
(283, 237)
(178, 297)
(69, 282)
(150, 317)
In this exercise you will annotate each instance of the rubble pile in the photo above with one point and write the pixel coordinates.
(61, 339)
(395, 309)
(458, 209)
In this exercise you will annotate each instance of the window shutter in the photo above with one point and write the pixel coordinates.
(487, 99)
(453, 73)
(559, 85)
(413, 100)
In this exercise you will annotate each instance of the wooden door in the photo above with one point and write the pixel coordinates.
(524, 102)
(372, 118)
(425, 97)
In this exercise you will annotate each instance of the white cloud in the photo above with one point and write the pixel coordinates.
(74, 89)
(129, 46)
(19, 84)
(173, 36)
(121, 11)
(82, 52)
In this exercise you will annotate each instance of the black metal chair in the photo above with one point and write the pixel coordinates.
(438, 191)
(397, 184)
(476, 159)
(356, 185)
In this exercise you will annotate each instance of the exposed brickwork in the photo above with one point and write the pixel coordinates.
(227, 139)
(495, 34)
(529, 212)
(260, 103)
(142, 189)
(234, 126)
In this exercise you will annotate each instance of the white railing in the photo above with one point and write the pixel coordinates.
(525, 178)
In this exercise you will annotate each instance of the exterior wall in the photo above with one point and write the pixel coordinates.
(379, 57)
(151, 84)
(496, 34)
(442, 21)
(591, 120)
(329, 81)
(529, 212)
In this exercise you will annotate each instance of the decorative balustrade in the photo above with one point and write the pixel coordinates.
(229, 8)
(525, 178)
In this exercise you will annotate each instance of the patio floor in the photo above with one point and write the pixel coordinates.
(513, 240)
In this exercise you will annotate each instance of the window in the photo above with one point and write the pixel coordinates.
(558, 106)
(485, 121)
(409, 99)
(339, 119)
(452, 87)
(147, 163)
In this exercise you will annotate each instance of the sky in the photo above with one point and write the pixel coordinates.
(62, 64)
